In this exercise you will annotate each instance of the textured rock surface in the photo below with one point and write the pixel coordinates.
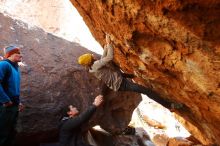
(52, 80)
(174, 48)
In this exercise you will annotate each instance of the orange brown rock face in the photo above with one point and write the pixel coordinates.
(171, 46)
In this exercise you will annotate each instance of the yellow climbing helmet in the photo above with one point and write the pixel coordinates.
(85, 59)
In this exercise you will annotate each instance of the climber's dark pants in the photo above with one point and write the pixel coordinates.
(8, 121)
(127, 85)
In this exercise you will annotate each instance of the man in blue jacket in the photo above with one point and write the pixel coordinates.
(9, 94)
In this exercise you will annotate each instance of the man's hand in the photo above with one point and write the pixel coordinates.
(8, 104)
(21, 107)
(98, 100)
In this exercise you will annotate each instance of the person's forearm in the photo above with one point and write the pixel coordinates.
(102, 62)
(109, 56)
(3, 96)
(87, 114)
(104, 52)
(110, 52)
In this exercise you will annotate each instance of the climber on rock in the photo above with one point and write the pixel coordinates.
(105, 70)
(72, 126)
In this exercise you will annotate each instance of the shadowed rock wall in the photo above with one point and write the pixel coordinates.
(171, 46)
(52, 80)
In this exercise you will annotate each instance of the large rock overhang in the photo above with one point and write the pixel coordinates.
(52, 79)
(174, 49)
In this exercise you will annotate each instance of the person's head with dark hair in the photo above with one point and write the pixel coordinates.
(70, 111)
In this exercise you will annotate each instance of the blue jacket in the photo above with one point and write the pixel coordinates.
(9, 82)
